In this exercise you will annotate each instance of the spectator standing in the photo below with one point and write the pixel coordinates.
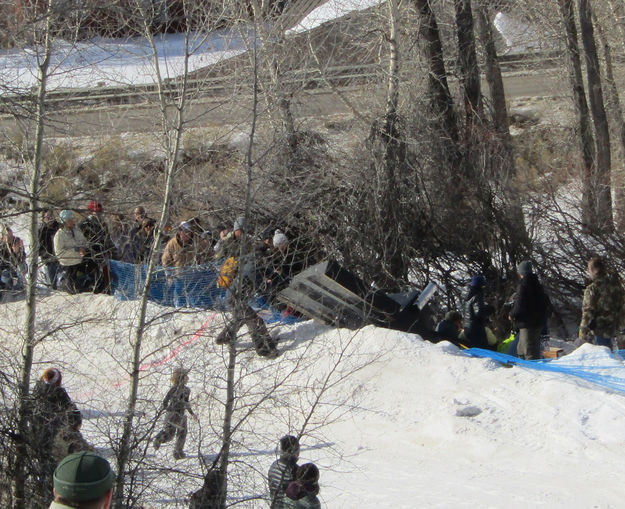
(302, 492)
(100, 246)
(175, 404)
(47, 229)
(83, 480)
(120, 236)
(239, 276)
(138, 215)
(529, 312)
(70, 247)
(476, 312)
(12, 259)
(283, 470)
(148, 229)
(51, 410)
(602, 305)
(179, 253)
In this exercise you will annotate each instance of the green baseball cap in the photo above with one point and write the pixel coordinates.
(83, 476)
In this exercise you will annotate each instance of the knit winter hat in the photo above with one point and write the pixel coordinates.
(52, 376)
(280, 239)
(83, 476)
(66, 215)
(95, 206)
(240, 223)
(478, 281)
(308, 472)
(289, 444)
(525, 267)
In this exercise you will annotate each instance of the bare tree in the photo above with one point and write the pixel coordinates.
(602, 167)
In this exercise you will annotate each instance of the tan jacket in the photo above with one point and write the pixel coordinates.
(177, 255)
(67, 244)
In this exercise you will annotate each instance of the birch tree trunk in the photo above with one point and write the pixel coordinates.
(20, 501)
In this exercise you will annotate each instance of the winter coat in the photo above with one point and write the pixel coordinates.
(177, 254)
(475, 313)
(302, 495)
(51, 409)
(231, 247)
(208, 496)
(67, 245)
(531, 303)
(447, 330)
(281, 474)
(177, 400)
(98, 238)
(12, 253)
(46, 240)
(602, 307)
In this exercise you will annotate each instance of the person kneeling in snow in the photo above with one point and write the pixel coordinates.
(175, 403)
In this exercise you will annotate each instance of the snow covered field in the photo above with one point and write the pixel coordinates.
(412, 424)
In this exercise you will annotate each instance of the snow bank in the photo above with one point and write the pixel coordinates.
(404, 423)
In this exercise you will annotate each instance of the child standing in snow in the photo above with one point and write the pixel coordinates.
(175, 403)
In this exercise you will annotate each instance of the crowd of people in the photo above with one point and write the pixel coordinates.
(74, 475)
(529, 310)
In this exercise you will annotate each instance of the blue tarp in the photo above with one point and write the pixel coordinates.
(610, 376)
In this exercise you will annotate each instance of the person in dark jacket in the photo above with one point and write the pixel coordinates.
(302, 492)
(449, 328)
(209, 496)
(48, 228)
(100, 246)
(12, 260)
(529, 312)
(476, 312)
(283, 470)
(51, 409)
(176, 402)
(148, 233)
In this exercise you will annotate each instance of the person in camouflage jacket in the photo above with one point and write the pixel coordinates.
(175, 404)
(602, 305)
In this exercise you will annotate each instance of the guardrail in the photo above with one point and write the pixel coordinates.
(221, 86)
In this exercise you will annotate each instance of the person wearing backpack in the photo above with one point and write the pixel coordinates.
(238, 275)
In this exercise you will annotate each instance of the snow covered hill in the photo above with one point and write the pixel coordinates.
(398, 422)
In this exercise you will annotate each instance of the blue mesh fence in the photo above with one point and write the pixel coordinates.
(609, 372)
(194, 286)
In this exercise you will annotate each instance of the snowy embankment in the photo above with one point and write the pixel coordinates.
(403, 422)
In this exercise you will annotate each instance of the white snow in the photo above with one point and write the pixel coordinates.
(405, 423)
(111, 62)
(102, 62)
(332, 9)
